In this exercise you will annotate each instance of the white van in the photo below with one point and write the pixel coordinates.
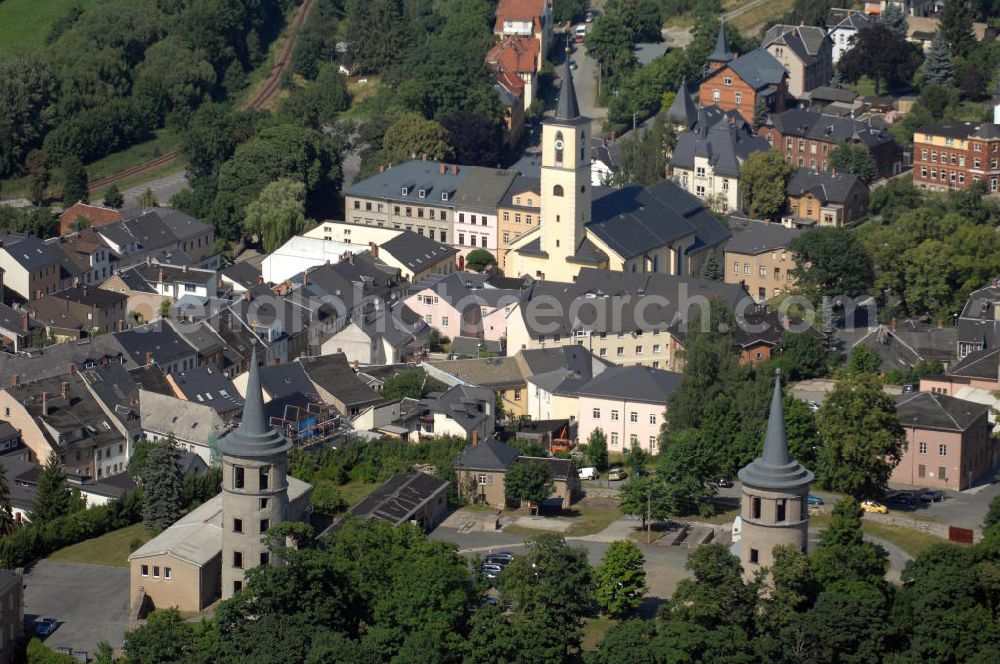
(588, 473)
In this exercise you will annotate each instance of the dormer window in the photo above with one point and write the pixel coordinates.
(421, 193)
(444, 195)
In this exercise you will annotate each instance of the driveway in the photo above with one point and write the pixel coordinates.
(90, 602)
(163, 187)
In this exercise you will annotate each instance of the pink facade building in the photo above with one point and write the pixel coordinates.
(628, 405)
(463, 304)
(948, 442)
(476, 204)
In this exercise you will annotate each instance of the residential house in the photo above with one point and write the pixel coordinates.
(352, 233)
(948, 442)
(209, 386)
(60, 415)
(624, 318)
(683, 113)
(660, 228)
(143, 299)
(159, 343)
(205, 339)
(10, 441)
(481, 467)
(58, 359)
(736, 82)
(758, 258)
(466, 411)
(843, 25)
(463, 304)
(503, 375)
(975, 377)
(605, 161)
(979, 323)
(338, 384)
(12, 616)
(953, 155)
(806, 138)
(476, 203)
(517, 56)
(195, 427)
(526, 18)
(22, 480)
(415, 196)
(415, 257)
(381, 336)
(80, 311)
(912, 8)
(518, 212)
(553, 376)
(176, 282)
(628, 405)
(15, 329)
(300, 253)
(707, 162)
(154, 231)
(806, 53)
(240, 276)
(31, 268)
(79, 216)
(417, 498)
(87, 261)
(761, 330)
(825, 198)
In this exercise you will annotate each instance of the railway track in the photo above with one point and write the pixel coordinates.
(259, 100)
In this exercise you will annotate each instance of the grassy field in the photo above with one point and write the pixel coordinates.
(354, 492)
(750, 22)
(594, 630)
(591, 515)
(910, 540)
(111, 549)
(24, 24)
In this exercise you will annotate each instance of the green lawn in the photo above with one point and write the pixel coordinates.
(913, 541)
(111, 549)
(751, 21)
(594, 630)
(591, 515)
(24, 24)
(354, 492)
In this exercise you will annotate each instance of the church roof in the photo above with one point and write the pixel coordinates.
(721, 52)
(567, 109)
(774, 469)
(255, 437)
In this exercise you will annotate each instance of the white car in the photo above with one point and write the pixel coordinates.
(588, 473)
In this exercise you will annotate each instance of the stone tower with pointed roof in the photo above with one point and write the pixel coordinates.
(721, 55)
(683, 114)
(254, 487)
(774, 507)
(565, 177)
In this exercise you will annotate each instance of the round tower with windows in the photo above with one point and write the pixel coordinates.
(774, 504)
(254, 487)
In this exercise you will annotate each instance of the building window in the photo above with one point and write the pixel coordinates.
(265, 476)
(942, 474)
(633, 440)
(780, 510)
(727, 80)
(238, 477)
(156, 571)
(739, 97)
(237, 586)
(736, 267)
(264, 525)
(633, 416)
(754, 556)
(746, 268)
(144, 570)
(652, 419)
(167, 574)
(444, 320)
(238, 559)
(755, 505)
(237, 525)
(517, 395)
(921, 471)
(942, 450)
(265, 558)
(614, 439)
(603, 352)
(715, 95)
(763, 271)
(621, 351)
(263, 503)
(614, 416)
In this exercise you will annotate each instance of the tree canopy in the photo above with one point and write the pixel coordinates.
(529, 482)
(763, 178)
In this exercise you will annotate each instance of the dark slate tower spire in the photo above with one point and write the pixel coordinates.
(254, 437)
(683, 111)
(566, 106)
(721, 54)
(775, 469)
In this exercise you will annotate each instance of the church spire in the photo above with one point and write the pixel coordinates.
(774, 469)
(721, 52)
(775, 442)
(254, 437)
(682, 111)
(566, 106)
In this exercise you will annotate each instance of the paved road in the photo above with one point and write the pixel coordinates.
(90, 602)
(163, 187)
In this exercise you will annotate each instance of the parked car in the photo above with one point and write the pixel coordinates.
(572, 64)
(617, 474)
(931, 496)
(589, 18)
(725, 483)
(491, 571)
(46, 626)
(814, 500)
(874, 507)
(813, 406)
(503, 555)
(589, 473)
(902, 498)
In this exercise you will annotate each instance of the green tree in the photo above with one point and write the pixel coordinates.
(938, 67)
(620, 579)
(113, 198)
(763, 178)
(277, 214)
(843, 554)
(412, 137)
(39, 173)
(475, 139)
(711, 269)
(161, 485)
(381, 34)
(831, 262)
(880, 54)
(800, 431)
(992, 517)
(39, 653)
(801, 356)
(852, 158)
(642, 155)
(760, 111)
(794, 589)
(565, 11)
(6, 512)
(860, 437)
(165, 637)
(479, 259)
(319, 103)
(147, 199)
(956, 27)
(863, 360)
(409, 384)
(212, 135)
(646, 497)
(597, 449)
(74, 182)
(894, 18)
(529, 482)
(628, 642)
(54, 497)
(636, 458)
(688, 469)
(29, 88)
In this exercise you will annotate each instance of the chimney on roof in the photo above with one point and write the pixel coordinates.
(247, 295)
(357, 365)
(260, 280)
(373, 249)
(475, 438)
(15, 380)
(893, 324)
(45, 404)
(65, 391)
(350, 257)
(149, 358)
(72, 369)
(454, 169)
(160, 276)
(25, 321)
(442, 169)
(305, 276)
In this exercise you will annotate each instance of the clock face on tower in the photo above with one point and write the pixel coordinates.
(559, 144)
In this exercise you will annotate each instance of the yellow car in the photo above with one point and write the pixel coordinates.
(874, 507)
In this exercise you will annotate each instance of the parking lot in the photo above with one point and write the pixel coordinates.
(89, 603)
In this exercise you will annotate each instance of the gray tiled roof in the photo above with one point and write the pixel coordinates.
(827, 186)
(929, 410)
(755, 237)
(806, 41)
(244, 273)
(462, 403)
(847, 18)
(400, 497)
(482, 189)
(721, 53)
(961, 129)
(209, 386)
(633, 383)
(983, 363)
(489, 454)
(724, 146)
(416, 251)
(758, 69)
(334, 374)
(634, 220)
(28, 251)
(415, 175)
(55, 360)
(520, 185)
(157, 338)
(828, 128)
(682, 110)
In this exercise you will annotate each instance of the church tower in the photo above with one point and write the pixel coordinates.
(254, 487)
(721, 56)
(774, 508)
(565, 179)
